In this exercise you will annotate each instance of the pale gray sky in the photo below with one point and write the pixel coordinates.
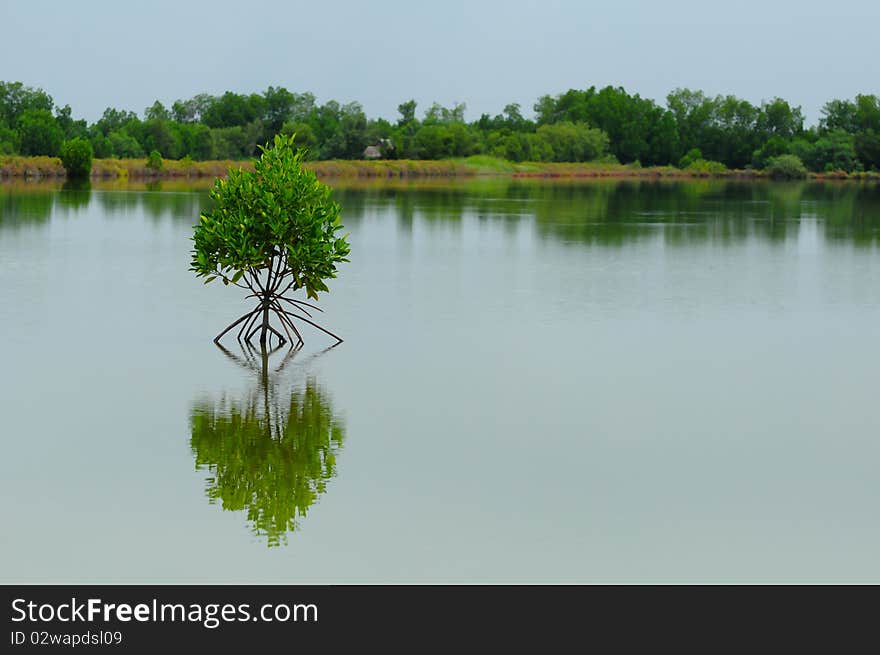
(95, 54)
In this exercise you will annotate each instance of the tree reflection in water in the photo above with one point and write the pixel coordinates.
(271, 453)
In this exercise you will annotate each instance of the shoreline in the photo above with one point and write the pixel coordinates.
(14, 167)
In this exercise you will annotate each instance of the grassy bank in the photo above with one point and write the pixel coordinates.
(136, 169)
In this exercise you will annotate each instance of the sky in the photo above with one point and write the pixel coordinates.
(95, 54)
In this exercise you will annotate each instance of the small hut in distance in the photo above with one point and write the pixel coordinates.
(382, 150)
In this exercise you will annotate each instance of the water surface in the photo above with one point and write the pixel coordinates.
(584, 382)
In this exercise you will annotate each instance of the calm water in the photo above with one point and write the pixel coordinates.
(539, 383)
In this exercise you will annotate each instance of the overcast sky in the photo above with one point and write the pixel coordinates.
(95, 54)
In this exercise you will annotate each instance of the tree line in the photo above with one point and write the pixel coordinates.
(607, 124)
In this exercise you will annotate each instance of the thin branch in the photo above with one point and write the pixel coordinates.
(239, 320)
(283, 316)
(304, 311)
(277, 334)
(256, 277)
(299, 302)
(325, 330)
(247, 326)
(283, 325)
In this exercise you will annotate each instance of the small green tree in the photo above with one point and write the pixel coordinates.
(154, 160)
(271, 231)
(76, 157)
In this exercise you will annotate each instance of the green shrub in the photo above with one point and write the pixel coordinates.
(76, 157)
(154, 160)
(694, 154)
(705, 167)
(786, 167)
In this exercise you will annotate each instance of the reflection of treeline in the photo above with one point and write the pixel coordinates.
(24, 205)
(269, 456)
(29, 204)
(613, 212)
(690, 130)
(601, 211)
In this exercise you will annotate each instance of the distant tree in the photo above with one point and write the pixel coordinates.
(867, 146)
(233, 109)
(184, 111)
(279, 105)
(777, 118)
(574, 142)
(868, 112)
(69, 127)
(545, 110)
(438, 114)
(101, 146)
(115, 119)
(433, 141)
(834, 151)
(407, 112)
(196, 141)
(124, 145)
(353, 126)
(157, 112)
(694, 113)
(39, 133)
(192, 110)
(839, 115)
(154, 160)
(774, 147)
(162, 135)
(16, 99)
(304, 137)
(76, 157)
(9, 139)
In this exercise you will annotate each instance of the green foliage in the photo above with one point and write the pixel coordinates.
(488, 164)
(835, 151)
(269, 459)
(124, 145)
(69, 127)
(76, 157)
(154, 160)
(278, 210)
(9, 142)
(723, 128)
(39, 133)
(706, 167)
(439, 140)
(690, 157)
(16, 99)
(157, 112)
(160, 134)
(867, 145)
(786, 167)
(636, 127)
(574, 142)
(303, 136)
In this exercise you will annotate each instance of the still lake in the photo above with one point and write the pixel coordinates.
(540, 382)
